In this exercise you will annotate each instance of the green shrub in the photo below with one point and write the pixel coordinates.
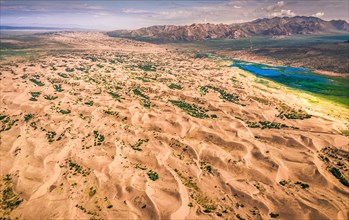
(339, 176)
(146, 67)
(92, 191)
(138, 144)
(303, 185)
(63, 75)
(38, 83)
(190, 109)
(115, 96)
(273, 215)
(153, 175)
(49, 97)
(34, 95)
(58, 88)
(175, 86)
(28, 117)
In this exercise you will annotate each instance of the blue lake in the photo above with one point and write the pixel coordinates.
(332, 88)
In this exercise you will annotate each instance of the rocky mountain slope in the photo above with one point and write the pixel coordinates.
(261, 27)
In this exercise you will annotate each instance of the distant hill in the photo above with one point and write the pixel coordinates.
(278, 26)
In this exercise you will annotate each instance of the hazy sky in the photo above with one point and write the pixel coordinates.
(109, 15)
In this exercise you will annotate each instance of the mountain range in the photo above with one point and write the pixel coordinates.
(277, 26)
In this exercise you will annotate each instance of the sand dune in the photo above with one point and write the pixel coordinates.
(99, 133)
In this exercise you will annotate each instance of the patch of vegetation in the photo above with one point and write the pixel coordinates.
(58, 88)
(175, 86)
(261, 100)
(345, 133)
(35, 96)
(262, 81)
(303, 185)
(50, 97)
(201, 55)
(27, 117)
(191, 110)
(239, 217)
(81, 68)
(110, 112)
(143, 79)
(33, 125)
(90, 103)
(60, 137)
(63, 75)
(273, 215)
(139, 93)
(206, 166)
(205, 202)
(138, 144)
(195, 193)
(64, 112)
(336, 160)
(153, 175)
(139, 166)
(36, 82)
(50, 135)
(335, 172)
(222, 94)
(99, 138)
(203, 90)
(92, 191)
(266, 125)
(147, 67)
(7, 123)
(115, 96)
(9, 200)
(75, 168)
(284, 182)
(89, 118)
(188, 181)
(144, 98)
(293, 114)
(69, 69)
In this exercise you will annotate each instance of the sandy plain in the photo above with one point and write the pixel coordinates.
(119, 129)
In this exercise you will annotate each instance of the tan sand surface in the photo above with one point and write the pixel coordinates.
(87, 143)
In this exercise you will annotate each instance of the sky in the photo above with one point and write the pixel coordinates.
(132, 14)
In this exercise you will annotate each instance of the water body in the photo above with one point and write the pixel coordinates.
(332, 88)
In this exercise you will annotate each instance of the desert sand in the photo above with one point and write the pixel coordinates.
(120, 129)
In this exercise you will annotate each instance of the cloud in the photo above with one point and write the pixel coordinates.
(283, 13)
(277, 10)
(236, 6)
(279, 5)
(134, 11)
(318, 14)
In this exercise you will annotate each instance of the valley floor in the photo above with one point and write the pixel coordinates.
(119, 129)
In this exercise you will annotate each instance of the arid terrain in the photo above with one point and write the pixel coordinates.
(95, 127)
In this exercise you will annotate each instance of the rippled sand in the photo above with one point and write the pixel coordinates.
(93, 151)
